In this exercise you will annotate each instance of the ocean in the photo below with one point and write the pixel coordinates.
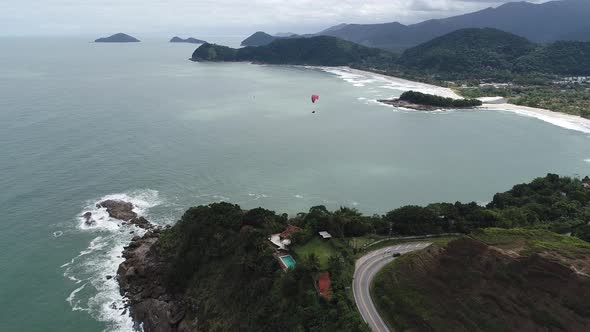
(81, 122)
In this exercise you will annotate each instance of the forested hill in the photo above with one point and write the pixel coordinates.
(319, 51)
(258, 39)
(462, 54)
(491, 53)
(467, 50)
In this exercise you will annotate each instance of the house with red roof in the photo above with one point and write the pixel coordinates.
(289, 231)
(281, 240)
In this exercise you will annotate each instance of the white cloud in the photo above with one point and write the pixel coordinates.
(209, 17)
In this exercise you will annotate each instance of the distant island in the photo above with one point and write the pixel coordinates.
(426, 102)
(189, 40)
(118, 38)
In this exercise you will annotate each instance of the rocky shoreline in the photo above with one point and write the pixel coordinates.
(418, 107)
(141, 276)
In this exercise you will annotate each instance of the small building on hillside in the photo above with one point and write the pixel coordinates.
(322, 285)
(325, 235)
(289, 231)
(281, 240)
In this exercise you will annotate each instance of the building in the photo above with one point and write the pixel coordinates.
(325, 235)
(281, 240)
(289, 231)
(322, 285)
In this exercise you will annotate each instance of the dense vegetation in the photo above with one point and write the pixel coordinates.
(573, 99)
(321, 51)
(432, 100)
(220, 259)
(468, 52)
(493, 280)
(493, 54)
(562, 57)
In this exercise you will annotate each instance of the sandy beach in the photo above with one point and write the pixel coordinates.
(357, 77)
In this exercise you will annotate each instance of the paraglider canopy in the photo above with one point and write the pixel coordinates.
(314, 98)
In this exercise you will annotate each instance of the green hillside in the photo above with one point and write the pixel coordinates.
(468, 52)
(320, 51)
(563, 58)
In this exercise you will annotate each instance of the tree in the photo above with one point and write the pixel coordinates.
(414, 220)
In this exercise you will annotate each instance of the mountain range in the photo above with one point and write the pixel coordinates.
(542, 23)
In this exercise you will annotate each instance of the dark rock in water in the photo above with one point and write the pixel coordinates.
(140, 222)
(190, 40)
(88, 218)
(118, 209)
(118, 38)
(131, 232)
(109, 277)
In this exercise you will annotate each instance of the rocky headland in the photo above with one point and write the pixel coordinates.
(140, 276)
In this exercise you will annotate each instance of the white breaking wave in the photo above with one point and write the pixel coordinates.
(257, 196)
(98, 295)
(362, 78)
(587, 160)
(558, 119)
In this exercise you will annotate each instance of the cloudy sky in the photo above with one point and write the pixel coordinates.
(215, 17)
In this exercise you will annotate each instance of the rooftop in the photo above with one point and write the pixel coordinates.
(323, 285)
(289, 231)
(325, 235)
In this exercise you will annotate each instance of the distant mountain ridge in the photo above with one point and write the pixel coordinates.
(541, 23)
(546, 22)
(472, 53)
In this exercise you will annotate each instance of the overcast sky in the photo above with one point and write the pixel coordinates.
(215, 17)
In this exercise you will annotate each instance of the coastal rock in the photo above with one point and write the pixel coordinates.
(140, 222)
(88, 218)
(418, 107)
(118, 209)
(141, 281)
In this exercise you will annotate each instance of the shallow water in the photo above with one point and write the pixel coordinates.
(80, 122)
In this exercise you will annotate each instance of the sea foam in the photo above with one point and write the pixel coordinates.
(98, 295)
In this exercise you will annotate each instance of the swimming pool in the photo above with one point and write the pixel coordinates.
(288, 261)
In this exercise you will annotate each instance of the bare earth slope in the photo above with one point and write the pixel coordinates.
(520, 283)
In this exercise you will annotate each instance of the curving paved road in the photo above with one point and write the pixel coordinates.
(365, 270)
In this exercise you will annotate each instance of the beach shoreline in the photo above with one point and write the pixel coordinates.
(567, 121)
